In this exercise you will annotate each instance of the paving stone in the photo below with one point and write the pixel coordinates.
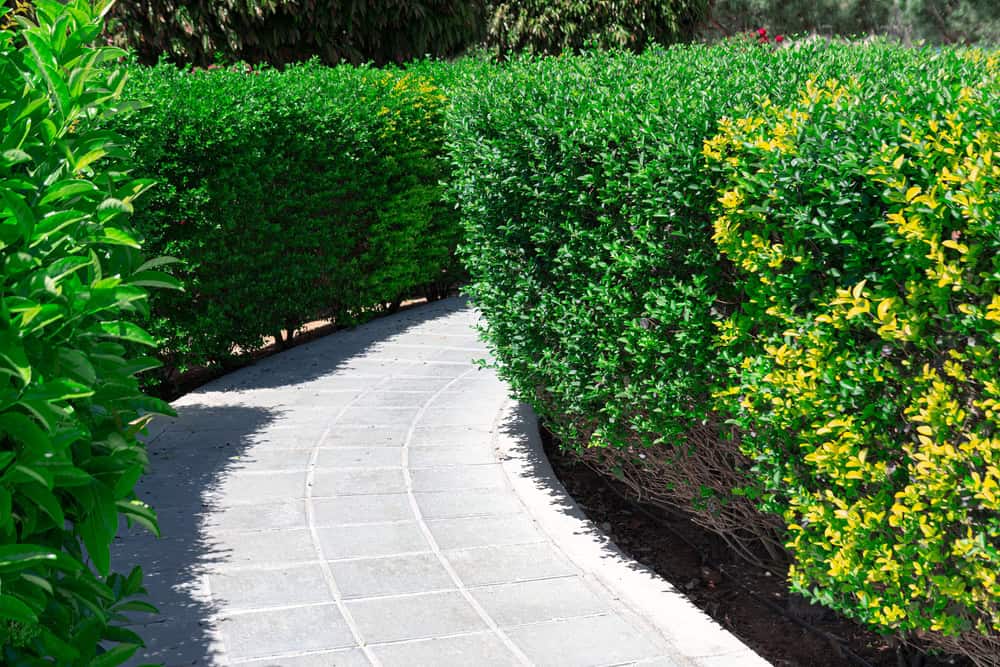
(378, 417)
(255, 550)
(261, 459)
(266, 633)
(475, 502)
(247, 487)
(257, 589)
(483, 531)
(359, 457)
(536, 601)
(434, 370)
(342, 436)
(483, 648)
(582, 642)
(507, 564)
(348, 658)
(351, 481)
(421, 457)
(372, 508)
(365, 541)
(395, 575)
(395, 399)
(452, 478)
(257, 517)
(414, 616)
(450, 435)
(452, 416)
(422, 384)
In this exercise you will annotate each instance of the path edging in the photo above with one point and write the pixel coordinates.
(689, 631)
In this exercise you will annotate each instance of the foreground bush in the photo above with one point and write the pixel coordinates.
(73, 285)
(590, 247)
(291, 196)
(287, 31)
(863, 219)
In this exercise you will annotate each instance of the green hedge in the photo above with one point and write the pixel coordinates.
(591, 189)
(863, 219)
(73, 287)
(308, 193)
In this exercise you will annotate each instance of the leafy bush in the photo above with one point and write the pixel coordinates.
(286, 31)
(554, 26)
(855, 303)
(863, 219)
(73, 284)
(291, 196)
(590, 252)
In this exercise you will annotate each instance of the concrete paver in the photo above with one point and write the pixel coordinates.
(374, 498)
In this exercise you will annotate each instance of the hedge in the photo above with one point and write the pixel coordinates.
(72, 292)
(863, 219)
(624, 242)
(291, 196)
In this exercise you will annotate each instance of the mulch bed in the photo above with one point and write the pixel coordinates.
(748, 601)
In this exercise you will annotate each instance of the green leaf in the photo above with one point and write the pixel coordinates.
(22, 213)
(127, 331)
(13, 609)
(67, 189)
(15, 557)
(155, 279)
(114, 236)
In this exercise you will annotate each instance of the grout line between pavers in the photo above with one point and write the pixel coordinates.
(483, 614)
(314, 531)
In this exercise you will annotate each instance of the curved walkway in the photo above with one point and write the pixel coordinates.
(374, 497)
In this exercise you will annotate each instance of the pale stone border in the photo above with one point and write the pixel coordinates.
(691, 633)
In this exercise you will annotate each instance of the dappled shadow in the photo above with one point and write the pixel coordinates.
(210, 517)
(324, 356)
(187, 462)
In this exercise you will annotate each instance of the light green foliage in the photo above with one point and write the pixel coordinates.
(73, 285)
(863, 220)
(291, 196)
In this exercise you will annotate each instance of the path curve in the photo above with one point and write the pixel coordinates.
(375, 498)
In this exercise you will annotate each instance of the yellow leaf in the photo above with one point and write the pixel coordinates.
(858, 289)
(912, 193)
(897, 163)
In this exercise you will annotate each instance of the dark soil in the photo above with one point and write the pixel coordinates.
(749, 601)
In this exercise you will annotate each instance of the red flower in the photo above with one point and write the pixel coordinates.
(778, 39)
(762, 32)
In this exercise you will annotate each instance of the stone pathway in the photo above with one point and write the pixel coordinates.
(374, 497)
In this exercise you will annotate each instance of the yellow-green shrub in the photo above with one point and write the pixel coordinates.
(862, 220)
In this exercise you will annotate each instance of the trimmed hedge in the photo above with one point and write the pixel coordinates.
(590, 221)
(863, 219)
(73, 287)
(291, 196)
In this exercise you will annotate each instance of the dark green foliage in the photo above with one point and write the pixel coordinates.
(286, 31)
(73, 285)
(554, 26)
(291, 196)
